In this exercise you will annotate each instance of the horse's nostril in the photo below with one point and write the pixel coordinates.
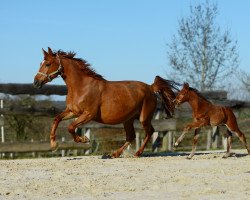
(37, 83)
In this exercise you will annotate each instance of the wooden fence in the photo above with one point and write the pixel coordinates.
(166, 129)
(26, 147)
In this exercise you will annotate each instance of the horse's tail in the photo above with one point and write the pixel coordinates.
(165, 89)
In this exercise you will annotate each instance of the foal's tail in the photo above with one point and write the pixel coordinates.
(165, 89)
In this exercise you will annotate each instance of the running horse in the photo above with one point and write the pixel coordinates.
(91, 97)
(207, 114)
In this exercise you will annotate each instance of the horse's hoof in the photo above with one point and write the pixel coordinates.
(115, 155)
(189, 157)
(227, 155)
(84, 139)
(106, 157)
(54, 146)
(137, 154)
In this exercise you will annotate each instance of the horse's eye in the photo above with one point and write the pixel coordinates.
(47, 65)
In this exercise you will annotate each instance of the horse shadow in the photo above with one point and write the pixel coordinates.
(185, 154)
(151, 154)
(169, 154)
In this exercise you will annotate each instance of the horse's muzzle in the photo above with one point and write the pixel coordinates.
(37, 84)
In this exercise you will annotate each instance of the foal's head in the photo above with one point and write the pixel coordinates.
(183, 95)
(50, 68)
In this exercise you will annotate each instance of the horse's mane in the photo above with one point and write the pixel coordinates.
(198, 93)
(85, 66)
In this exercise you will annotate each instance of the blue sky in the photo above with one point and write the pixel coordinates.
(122, 40)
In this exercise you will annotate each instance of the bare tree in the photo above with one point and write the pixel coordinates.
(240, 86)
(200, 53)
(245, 79)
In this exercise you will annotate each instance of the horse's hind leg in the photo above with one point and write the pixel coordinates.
(233, 127)
(242, 139)
(146, 116)
(148, 128)
(130, 136)
(149, 131)
(229, 144)
(195, 141)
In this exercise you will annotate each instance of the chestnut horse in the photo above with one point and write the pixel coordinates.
(204, 114)
(91, 97)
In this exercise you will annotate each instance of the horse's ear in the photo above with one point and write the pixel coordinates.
(50, 51)
(45, 53)
(186, 85)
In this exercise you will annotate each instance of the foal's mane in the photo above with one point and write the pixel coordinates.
(198, 94)
(85, 66)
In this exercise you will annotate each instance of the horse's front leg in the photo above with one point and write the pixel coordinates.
(62, 116)
(82, 119)
(195, 124)
(185, 130)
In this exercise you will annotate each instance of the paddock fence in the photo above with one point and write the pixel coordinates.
(166, 130)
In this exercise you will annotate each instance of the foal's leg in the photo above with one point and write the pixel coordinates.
(233, 127)
(195, 140)
(229, 144)
(130, 136)
(195, 124)
(242, 138)
(82, 119)
(185, 130)
(62, 116)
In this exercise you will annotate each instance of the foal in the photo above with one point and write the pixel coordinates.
(204, 114)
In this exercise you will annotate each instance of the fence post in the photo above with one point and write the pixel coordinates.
(215, 136)
(87, 134)
(165, 142)
(170, 140)
(224, 142)
(137, 140)
(33, 153)
(63, 151)
(209, 139)
(2, 125)
(155, 134)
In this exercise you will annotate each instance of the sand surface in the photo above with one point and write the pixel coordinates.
(163, 176)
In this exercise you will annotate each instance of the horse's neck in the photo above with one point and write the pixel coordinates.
(196, 102)
(74, 77)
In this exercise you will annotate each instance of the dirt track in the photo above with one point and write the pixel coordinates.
(207, 176)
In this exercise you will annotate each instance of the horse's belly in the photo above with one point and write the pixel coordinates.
(117, 113)
(116, 117)
(217, 118)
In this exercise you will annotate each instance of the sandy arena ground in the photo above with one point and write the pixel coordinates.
(169, 176)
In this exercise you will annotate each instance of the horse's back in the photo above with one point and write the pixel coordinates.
(135, 89)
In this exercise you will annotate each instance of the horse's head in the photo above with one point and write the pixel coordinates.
(50, 68)
(182, 95)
